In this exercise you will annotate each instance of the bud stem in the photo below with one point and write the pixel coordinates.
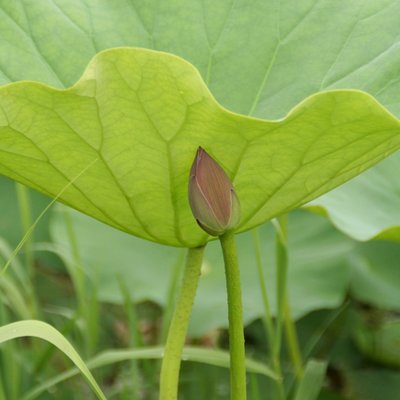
(236, 334)
(171, 362)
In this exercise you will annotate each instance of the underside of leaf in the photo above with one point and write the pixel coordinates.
(142, 115)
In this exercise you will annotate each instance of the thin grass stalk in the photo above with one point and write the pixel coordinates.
(293, 344)
(26, 222)
(135, 339)
(12, 369)
(268, 321)
(284, 319)
(84, 293)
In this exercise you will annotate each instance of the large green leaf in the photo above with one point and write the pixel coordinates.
(258, 57)
(262, 56)
(142, 114)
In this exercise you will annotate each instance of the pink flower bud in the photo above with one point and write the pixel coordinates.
(211, 196)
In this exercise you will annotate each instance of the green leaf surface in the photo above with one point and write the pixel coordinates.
(32, 328)
(142, 114)
(259, 58)
(319, 272)
(368, 206)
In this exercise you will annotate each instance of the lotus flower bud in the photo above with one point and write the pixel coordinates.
(211, 196)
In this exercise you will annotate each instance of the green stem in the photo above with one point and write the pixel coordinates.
(293, 344)
(169, 377)
(255, 390)
(26, 222)
(86, 295)
(281, 274)
(76, 270)
(269, 326)
(235, 312)
(134, 337)
(283, 310)
(281, 266)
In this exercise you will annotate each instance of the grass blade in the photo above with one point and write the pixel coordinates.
(311, 383)
(32, 328)
(219, 358)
